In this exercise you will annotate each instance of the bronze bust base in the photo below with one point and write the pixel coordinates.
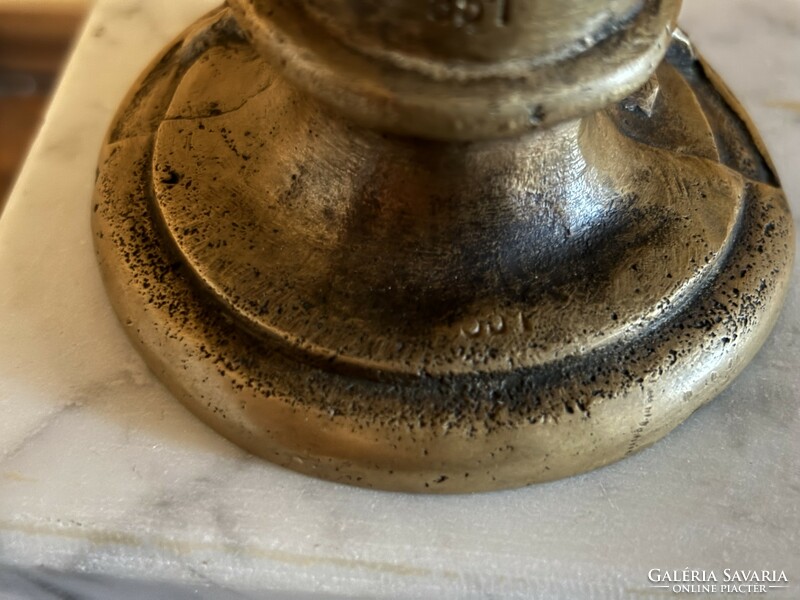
(441, 303)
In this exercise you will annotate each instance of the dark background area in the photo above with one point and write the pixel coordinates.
(35, 40)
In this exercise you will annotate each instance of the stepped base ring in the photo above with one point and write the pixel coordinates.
(457, 430)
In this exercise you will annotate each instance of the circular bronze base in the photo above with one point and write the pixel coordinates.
(436, 316)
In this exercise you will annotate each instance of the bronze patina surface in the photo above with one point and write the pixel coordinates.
(440, 246)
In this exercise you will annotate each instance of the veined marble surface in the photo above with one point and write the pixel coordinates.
(109, 488)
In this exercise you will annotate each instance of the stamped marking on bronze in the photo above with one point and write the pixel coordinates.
(457, 13)
(503, 13)
(462, 13)
(491, 325)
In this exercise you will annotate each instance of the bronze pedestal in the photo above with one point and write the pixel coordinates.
(440, 246)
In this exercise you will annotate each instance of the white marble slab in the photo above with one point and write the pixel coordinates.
(103, 473)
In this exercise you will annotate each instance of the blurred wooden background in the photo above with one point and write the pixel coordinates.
(35, 39)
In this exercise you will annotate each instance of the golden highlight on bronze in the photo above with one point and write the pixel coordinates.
(440, 245)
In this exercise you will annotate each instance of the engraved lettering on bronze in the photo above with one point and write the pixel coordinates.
(457, 13)
(460, 13)
(503, 12)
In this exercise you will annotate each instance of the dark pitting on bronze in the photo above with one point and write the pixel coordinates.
(440, 246)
